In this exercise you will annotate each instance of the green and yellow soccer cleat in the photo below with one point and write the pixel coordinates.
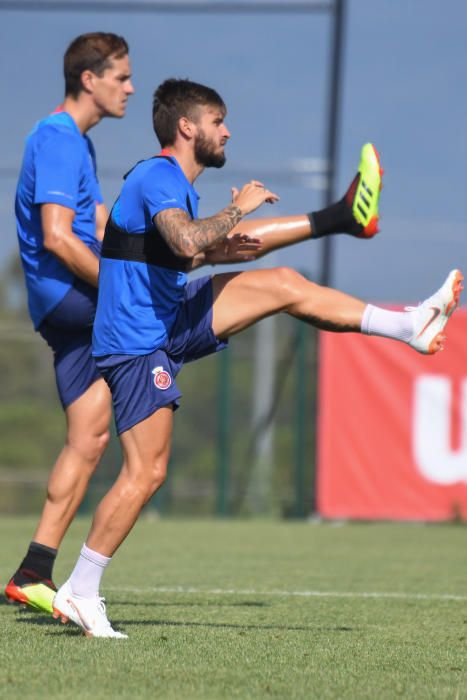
(357, 212)
(363, 193)
(36, 595)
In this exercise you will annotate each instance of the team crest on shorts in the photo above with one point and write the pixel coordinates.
(162, 379)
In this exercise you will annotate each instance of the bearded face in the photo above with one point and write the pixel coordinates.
(209, 153)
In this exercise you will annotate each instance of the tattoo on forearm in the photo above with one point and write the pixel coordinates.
(188, 238)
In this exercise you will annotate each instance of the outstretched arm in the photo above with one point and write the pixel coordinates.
(187, 237)
(236, 248)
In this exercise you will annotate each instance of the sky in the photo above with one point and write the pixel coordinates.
(404, 76)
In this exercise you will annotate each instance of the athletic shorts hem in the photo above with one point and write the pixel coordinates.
(134, 420)
(66, 404)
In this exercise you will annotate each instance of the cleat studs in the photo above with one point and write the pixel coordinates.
(56, 614)
(436, 344)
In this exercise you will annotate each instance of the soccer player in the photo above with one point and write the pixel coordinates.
(60, 219)
(149, 321)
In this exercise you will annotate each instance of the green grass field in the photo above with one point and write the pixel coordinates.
(225, 609)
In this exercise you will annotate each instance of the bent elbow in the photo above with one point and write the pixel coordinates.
(184, 246)
(52, 241)
(188, 250)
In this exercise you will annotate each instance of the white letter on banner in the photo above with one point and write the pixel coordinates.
(434, 456)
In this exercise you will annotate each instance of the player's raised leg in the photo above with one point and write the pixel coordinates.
(88, 421)
(356, 214)
(242, 299)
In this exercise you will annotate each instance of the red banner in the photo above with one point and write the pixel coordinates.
(392, 428)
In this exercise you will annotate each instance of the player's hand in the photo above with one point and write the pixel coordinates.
(234, 249)
(251, 196)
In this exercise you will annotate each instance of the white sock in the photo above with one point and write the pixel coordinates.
(86, 576)
(389, 324)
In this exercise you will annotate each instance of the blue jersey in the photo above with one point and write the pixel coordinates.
(59, 167)
(138, 302)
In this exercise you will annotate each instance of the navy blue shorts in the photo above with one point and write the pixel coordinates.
(68, 331)
(141, 384)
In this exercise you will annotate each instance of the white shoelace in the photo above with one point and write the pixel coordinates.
(102, 609)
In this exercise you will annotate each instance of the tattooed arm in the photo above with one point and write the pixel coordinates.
(236, 248)
(187, 238)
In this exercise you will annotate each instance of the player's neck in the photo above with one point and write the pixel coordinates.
(191, 169)
(85, 115)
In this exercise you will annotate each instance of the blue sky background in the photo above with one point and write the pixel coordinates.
(404, 88)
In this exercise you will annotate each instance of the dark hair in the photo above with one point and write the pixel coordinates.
(176, 98)
(90, 52)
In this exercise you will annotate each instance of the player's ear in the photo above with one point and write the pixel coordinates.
(87, 80)
(186, 127)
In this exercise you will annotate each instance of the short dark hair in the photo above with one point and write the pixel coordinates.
(93, 52)
(176, 98)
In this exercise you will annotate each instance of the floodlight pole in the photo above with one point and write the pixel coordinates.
(334, 102)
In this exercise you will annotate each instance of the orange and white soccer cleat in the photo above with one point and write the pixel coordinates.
(87, 613)
(432, 315)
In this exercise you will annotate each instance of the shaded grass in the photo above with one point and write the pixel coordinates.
(229, 632)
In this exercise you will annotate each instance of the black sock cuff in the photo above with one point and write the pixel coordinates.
(332, 219)
(37, 548)
(311, 218)
(37, 564)
(322, 223)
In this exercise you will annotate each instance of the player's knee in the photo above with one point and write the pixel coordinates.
(157, 477)
(92, 447)
(289, 283)
(102, 442)
(97, 445)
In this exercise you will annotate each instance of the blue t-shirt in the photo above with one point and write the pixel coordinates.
(138, 302)
(59, 167)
